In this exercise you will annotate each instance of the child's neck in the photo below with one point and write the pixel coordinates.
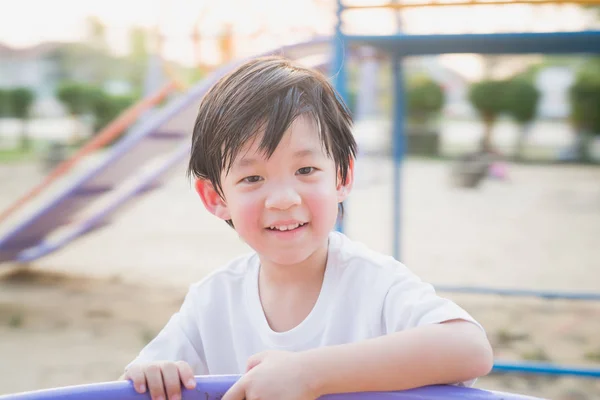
(309, 271)
(288, 293)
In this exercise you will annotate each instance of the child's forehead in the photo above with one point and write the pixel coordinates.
(301, 140)
(302, 133)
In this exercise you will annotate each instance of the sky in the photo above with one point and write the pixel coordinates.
(28, 22)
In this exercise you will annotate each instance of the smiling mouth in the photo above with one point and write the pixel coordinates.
(284, 228)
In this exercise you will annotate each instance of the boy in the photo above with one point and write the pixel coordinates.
(309, 312)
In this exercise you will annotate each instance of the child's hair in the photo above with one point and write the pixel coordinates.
(264, 96)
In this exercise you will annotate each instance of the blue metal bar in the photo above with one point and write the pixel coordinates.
(520, 292)
(338, 71)
(582, 42)
(546, 369)
(398, 151)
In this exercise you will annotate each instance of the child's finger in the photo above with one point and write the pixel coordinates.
(170, 375)
(137, 377)
(254, 360)
(154, 380)
(186, 374)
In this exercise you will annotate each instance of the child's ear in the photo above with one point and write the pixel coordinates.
(343, 190)
(213, 202)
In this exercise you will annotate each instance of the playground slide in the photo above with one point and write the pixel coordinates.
(213, 388)
(140, 162)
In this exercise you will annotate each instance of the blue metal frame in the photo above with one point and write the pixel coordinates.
(401, 45)
(546, 369)
(338, 72)
(398, 150)
(585, 42)
(586, 296)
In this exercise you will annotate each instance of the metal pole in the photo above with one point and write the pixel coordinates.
(338, 70)
(398, 150)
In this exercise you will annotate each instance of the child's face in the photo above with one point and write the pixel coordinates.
(284, 207)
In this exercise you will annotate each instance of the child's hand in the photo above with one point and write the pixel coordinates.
(163, 379)
(273, 375)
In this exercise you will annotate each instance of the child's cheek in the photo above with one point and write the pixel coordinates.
(322, 203)
(249, 211)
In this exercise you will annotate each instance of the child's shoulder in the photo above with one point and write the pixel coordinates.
(230, 276)
(355, 256)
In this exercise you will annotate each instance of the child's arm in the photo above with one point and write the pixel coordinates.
(171, 358)
(446, 353)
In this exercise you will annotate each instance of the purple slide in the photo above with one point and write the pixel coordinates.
(213, 388)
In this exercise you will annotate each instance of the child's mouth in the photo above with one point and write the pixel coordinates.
(287, 228)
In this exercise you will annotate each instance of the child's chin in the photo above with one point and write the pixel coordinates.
(289, 257)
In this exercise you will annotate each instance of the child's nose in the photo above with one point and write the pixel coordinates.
(282, 198)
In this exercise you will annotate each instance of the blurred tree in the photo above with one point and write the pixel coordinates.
(21, 100)
(487, 97)
(138, 57)
(5, 106)
(521, 103)
(107, 107)
(98, 60)
(77, 99)
(425, 99)
(85, 99)
(96, 33)
(585, 105)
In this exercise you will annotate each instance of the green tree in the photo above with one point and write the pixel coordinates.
(487, 97)
(425, 99)
(21, 100)
(98, 62)
(138, 57)
(107, 107)
(521, 104)
(77, 97)
(585, 104)
(5, 106)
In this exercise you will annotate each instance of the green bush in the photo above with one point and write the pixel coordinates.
(424, 99)
(16, 102)
(5, 104)
(77, 97)
(585, 102)
(107, 107)
(521, 100)
(82, 98)
(488, 98)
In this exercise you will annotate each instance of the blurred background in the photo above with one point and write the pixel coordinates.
(498, 194)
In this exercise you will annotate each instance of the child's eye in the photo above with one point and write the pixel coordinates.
(251, 179)
(306, 170)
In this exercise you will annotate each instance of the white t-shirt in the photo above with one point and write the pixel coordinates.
(364, 295)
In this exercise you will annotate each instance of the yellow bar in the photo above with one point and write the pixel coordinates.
(435, 3)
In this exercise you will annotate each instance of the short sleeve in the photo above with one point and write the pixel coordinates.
(411, 302)
(179, 340)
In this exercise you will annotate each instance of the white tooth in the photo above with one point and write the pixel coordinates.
(286, 227)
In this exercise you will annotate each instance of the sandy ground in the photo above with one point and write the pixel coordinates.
(85, 311)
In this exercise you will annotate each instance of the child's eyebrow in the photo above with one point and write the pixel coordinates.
(305, 153)
(245, 162)
(250, 161)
